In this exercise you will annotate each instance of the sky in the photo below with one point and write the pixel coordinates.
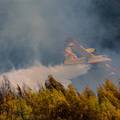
(36, 30)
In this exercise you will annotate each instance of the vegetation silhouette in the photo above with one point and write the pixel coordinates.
(54, 102)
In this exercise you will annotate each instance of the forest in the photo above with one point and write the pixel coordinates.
(54, 102)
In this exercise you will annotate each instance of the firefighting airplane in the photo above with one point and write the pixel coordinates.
(77, 54)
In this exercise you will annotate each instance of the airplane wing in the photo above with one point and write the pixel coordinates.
(85, 52)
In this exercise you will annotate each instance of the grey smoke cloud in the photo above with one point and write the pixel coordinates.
(33, 30)
(38, 29)
(108, 12)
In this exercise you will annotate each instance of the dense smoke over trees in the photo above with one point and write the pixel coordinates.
(37, 30)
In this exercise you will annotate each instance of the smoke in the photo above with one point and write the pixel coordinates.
(35, 77)
(37, 30)
(33, 30)
(108, 13)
